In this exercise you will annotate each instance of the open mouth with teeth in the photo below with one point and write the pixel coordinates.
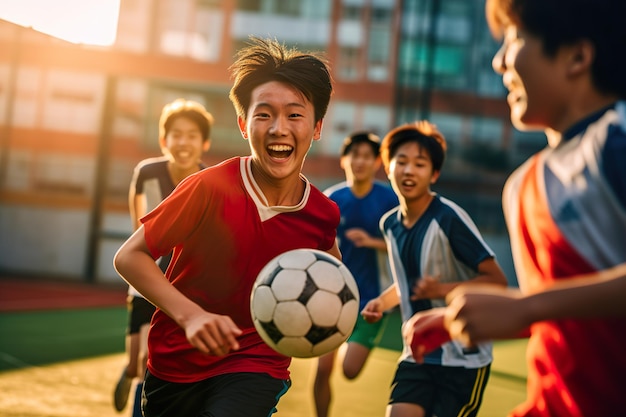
(279, 151)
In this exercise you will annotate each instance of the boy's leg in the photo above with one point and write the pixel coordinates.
(460, 391)
(363, 339)
(412, 391)
(137, 403)
(322, 392)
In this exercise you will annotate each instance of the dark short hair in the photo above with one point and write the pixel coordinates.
(361, 137)
(560, 22)
(189, 109)
(424, 133)
(265, 60)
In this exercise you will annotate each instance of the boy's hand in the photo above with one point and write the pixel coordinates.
(480, 313)
(427, 287)
(371, 313)
(359, 237)
(213, 334)
(425, 332)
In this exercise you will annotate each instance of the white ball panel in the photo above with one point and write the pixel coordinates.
(263, 303)
(347, 318)
(296, 259)
(326, 276)
(297, 347)
(288, 284)
(324, 308)
(292, 318)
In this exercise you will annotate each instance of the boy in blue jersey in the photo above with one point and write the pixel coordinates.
(362, 201)
(433, 247)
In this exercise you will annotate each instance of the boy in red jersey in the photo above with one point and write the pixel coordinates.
(224, 224)
(565, 208)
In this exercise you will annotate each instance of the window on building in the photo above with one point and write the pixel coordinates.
(189, 28)
(29, 83)
(380, 40)
(348, 67)
(73, 101)
(130, 112)
(133, 26)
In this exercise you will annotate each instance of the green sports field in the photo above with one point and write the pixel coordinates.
(64, 363)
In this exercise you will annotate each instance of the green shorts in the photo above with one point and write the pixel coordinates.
(368, 334)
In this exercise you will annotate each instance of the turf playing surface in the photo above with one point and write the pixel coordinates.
(65, 363)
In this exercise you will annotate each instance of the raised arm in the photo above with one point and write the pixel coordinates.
(484, 313)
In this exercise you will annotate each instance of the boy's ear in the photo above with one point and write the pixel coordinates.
(242, 127)
(435, 177)
(582, 54)
(317, 134)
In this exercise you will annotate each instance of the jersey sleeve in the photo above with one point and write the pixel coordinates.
(613, 157)
(172, 221)
(136, 182)
(466, 242)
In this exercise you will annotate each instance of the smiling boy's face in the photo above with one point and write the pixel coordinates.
(537, 83)
(184, 143)
(280, 126)
(411, 171)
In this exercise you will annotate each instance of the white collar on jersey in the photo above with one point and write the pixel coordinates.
(266, 211)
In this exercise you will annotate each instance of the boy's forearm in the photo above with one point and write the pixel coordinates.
(389, 298)
(146, 277)
(593, 295)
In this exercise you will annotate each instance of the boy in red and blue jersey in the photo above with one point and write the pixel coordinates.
(565, 209)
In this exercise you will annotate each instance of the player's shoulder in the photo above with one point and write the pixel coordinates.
(317, 194)
(446, 207)
(384, 190)
(224, 171)
(390, 217)
(151, 164)
(340, 187)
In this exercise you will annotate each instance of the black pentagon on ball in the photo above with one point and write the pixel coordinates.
(272, 331)
(318, 334)
(309, 289)
(345, 295)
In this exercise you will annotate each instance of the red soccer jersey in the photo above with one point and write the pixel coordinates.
(223, 235)
(575, 367)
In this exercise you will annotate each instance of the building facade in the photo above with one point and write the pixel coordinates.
(75, 119)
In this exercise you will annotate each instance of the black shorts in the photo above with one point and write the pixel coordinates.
(229, 395)
(140, 312)
(442, 391)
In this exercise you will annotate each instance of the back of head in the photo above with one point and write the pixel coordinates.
(189, 109)
(563, 22)
(424, 133)
(265, 60)
(361, 137)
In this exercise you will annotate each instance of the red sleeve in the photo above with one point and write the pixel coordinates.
(172, 221)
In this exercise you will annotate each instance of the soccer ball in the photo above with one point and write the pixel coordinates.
(304, 303)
